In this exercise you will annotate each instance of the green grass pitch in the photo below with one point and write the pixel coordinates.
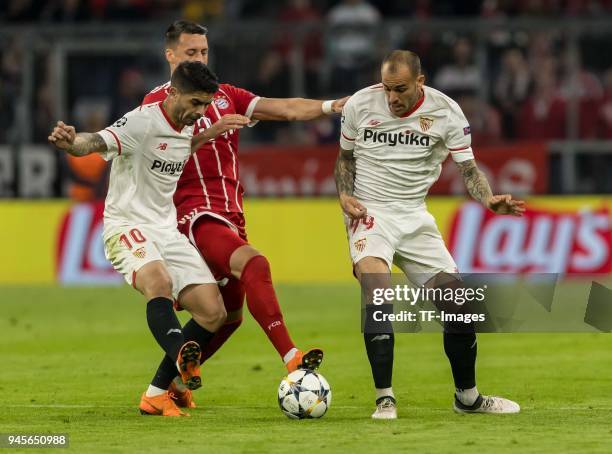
(76, 361)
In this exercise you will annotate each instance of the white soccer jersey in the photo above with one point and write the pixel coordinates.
(149, 154)
(399, 158)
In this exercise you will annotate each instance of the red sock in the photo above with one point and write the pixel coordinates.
(263, 305)
(219, 339)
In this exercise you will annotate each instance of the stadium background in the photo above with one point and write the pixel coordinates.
(534, 78)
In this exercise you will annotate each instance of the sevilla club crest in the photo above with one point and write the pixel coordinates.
(360, 244)
(425, 123)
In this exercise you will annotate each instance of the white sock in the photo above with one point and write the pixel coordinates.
(289, 355)
(384, 392)
(153, 391)
(179, 384)
(467, 396)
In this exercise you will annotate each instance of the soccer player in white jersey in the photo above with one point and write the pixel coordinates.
(395, 136)
(149, 147)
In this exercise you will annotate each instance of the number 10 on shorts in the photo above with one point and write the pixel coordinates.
(135, 235)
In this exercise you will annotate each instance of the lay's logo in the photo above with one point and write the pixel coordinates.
(539, 242)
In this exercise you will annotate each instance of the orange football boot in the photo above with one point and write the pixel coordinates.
(188, 364)
(161, 405)
(183, 399)
(310, 360)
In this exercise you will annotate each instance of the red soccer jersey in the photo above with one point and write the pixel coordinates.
(210, 180)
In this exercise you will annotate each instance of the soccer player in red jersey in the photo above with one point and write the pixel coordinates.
(209, 204)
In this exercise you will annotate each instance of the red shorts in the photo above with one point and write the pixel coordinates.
(234, 221)
(215, 236)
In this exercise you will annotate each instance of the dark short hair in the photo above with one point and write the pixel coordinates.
(179, 27)
(403, 57)
(192, 76)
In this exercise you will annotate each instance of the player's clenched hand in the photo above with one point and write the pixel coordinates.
(338, 104)
(352, 207)
(505, 204)
(62, 135)
(225, 123)
(229, 122)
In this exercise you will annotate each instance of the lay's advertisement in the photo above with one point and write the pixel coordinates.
(304, 239)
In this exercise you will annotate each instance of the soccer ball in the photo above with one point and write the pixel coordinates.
(304, 394)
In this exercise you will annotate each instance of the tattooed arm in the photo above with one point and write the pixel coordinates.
(86, 143)
(478, 187)
(64, 137)
(475, 181)
(344, 173)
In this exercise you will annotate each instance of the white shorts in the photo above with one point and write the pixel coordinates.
(406, 236)
(130, 248)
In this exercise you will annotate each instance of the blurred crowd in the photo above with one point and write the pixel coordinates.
(511, 86)
(209, 10)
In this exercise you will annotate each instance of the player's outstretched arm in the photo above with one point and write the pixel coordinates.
(65, 138)
(478, 187)
(344, 173)
(294, 109)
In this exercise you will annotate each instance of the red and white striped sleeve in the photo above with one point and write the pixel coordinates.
(458, 136)
(244, 101)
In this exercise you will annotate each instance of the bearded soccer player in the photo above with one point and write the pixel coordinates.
(395, 136)
(210, 211)
(149, 147)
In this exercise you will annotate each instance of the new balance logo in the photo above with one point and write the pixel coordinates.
(162, 146)
(381, 337)
(174, 330)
